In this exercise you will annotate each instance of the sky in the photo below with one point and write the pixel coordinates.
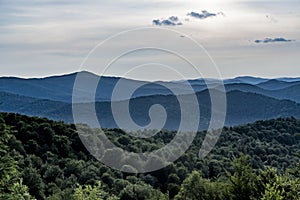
(153, 40)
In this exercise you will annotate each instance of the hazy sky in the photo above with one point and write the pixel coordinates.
(43, 37)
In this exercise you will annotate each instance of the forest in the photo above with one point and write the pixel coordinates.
(44, 159)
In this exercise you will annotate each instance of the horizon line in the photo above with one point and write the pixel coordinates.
(115, 76)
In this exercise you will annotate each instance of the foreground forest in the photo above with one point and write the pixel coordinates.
(44, 159)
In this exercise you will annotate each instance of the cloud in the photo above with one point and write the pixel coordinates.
(171, 21)
(203, 15)
(272, 40)
(174, 20)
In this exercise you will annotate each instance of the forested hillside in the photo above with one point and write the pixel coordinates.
(44, 159)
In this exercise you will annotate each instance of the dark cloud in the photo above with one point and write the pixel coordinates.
(272, 40)
(173, 18)
(171, 21)
(203, 15)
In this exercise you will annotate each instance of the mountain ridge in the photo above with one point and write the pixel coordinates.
(242, 108)
(60, 88)
(248, 98)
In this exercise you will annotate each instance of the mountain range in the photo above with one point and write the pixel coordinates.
(248, 98)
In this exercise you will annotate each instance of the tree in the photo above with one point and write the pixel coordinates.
(141, 191)
(272, 185)
(33, 179)
(88, 192)
(243, 179)
(195, 187)
(272, 192)
(11, 183)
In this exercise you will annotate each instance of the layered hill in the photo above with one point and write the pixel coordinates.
(248, 99)
(242, 108)
(60, 88)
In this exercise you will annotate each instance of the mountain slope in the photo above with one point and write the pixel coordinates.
(275, 84)
(248, 107)
(291, 92)
(241, 108)
(60, 88)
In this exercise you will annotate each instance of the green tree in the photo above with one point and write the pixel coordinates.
(272, 192)
(89, 192)
(11, 183)
(141, 191)
(243, 179)
(194, 187)
(33, 179)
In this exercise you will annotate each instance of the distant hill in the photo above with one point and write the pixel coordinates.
(60, 88)
(248, 107)
(246, 79)
(275, 84)
(291, 92)
(35, 107)
(248, 98)
(242, 107)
